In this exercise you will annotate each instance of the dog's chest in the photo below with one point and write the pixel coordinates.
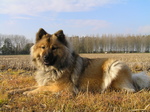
(43, 78)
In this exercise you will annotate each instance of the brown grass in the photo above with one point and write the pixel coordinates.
(15, 62)
(20, 77)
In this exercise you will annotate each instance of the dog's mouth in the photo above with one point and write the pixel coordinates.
(46, 63)
(49, 61)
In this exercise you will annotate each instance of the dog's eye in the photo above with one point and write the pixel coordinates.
(54, 48)
(43, 47)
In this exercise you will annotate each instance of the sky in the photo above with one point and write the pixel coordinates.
(75, 17)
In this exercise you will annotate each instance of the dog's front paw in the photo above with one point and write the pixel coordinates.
(16, 91)
(12, 92)
(30, 93)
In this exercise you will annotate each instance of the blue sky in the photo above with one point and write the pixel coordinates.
(75, 17)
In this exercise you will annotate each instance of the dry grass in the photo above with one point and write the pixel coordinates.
(12, 78)
(15, 62)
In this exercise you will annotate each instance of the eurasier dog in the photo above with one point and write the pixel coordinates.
(60, 68)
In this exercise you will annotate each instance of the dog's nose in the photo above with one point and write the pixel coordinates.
(46, 57)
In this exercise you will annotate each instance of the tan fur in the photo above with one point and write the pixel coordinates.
(59, 68)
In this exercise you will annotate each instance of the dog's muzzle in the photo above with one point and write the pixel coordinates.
(49, 59)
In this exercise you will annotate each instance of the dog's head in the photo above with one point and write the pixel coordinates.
(50, 49)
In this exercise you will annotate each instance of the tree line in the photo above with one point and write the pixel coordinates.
(111, 43)
(18, 44)
(14, 45)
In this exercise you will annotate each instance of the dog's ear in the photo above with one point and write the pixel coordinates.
(40, 34)
(61, 36)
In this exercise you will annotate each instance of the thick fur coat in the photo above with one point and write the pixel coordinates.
(59, 68)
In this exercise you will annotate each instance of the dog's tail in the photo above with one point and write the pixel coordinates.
(141, 81)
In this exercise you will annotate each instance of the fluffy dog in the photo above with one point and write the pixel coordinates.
(60, 68)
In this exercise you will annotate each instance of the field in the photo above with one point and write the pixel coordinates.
(17, 72)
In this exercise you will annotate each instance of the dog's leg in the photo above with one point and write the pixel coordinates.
(124, 85)
(119, 75)
(15, 91)
(41, 89)
(52, 89)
